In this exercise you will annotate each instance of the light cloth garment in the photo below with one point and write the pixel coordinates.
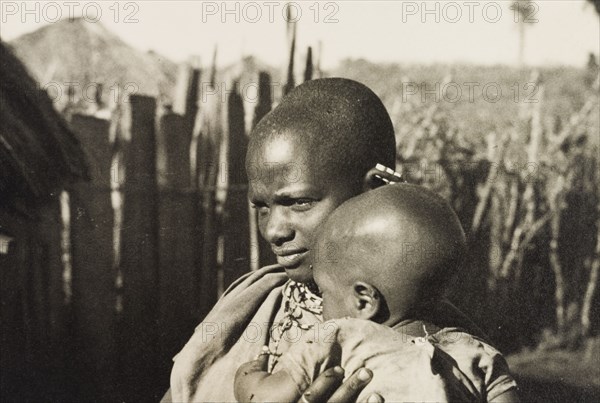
(232, 333)
(240, 324)
(448, 366)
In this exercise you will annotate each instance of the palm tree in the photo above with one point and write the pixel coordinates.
(522, 9)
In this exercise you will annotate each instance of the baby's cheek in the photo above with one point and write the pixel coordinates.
(326, 314)
(332, 310)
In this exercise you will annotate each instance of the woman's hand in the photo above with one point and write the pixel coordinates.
(253, 383)
(328, 387)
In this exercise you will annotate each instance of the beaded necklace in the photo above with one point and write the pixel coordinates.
(297, 298)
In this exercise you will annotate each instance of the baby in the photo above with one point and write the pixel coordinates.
(382, 258)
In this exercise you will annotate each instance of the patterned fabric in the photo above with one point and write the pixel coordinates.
(298, 301)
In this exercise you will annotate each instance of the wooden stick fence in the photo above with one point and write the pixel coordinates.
(147, 271)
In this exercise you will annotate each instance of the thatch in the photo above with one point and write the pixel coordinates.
(74, 50)
(38, 152)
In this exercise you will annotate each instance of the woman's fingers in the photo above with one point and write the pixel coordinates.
(329, 387)
(324, 386)
(352, 387)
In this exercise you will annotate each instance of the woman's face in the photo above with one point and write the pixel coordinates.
(293, 194)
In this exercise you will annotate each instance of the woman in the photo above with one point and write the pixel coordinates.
(317, 149)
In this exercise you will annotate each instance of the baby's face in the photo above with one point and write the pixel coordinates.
(293, 196)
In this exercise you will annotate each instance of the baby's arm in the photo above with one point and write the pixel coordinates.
(254, 384)
(483, 365)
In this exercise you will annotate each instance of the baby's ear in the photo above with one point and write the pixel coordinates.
(367, 300)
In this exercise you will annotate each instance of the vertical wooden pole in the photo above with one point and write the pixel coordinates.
(265, 102)
(187, 91)
(208, 135)
(92, 258)
(139, 264)
(179, 246)
(291, 36)
(308, 70)
(58, 339)
(236, 228)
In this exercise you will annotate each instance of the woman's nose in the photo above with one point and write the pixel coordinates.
(278, 229)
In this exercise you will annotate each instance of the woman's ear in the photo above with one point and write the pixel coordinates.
(367, 300)
(379, 176)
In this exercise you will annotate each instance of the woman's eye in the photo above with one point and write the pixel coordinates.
(302, 204)
(261, 208)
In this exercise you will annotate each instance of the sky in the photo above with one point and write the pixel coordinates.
(558, 32)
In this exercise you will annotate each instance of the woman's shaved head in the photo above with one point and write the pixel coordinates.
(341, 123)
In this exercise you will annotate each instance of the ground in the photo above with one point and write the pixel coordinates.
(558, 376)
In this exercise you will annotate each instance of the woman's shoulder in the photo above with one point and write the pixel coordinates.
(274, 273)
(249, 291)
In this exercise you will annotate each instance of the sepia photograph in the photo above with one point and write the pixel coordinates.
(310, 201)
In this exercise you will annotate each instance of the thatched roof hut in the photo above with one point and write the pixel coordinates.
(75, 50)
(38, 152)
(39, 156)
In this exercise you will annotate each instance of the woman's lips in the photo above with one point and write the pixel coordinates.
(291, 260)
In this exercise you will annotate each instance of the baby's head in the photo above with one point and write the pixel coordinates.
(387, 252)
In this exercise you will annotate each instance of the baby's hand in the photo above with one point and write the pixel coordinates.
(249, 378)
(254, 384)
